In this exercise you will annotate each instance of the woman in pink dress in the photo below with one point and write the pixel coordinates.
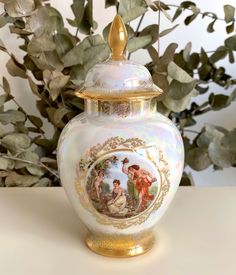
(142, 180)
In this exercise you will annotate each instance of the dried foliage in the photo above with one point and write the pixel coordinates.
(56, 61)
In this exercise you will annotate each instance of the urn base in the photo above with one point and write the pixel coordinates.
(121, 246)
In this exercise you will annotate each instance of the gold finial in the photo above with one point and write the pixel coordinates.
(117, 38)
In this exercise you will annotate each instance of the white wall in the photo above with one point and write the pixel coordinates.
(196, 33)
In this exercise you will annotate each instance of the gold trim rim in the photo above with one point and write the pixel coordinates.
(124, 247)
(122, 96)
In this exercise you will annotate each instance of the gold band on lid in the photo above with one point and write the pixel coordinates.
(118, 38)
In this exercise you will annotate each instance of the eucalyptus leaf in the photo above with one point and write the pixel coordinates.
(229, 140)
(205, 72)
(187, 51)
(3, 163)
(131, 9)
(11, 116)
(152, 30)
(20, 8)
(45, 20)
(34, 87)
(94, 55)
(221, 156)
(109, 3)
(196, 12)
(43, 43)
(3, 21)
(137, 43)
(198, 159)
(167, 31)
(74, 56)
(26, 156)
(15, 69)
(59, 114)
(220, 53)
(229, 12)
(43, 182)
(77, 74)
(15, 179)
(231, 42)
(193, 61)
(231, 56)
(210, 27)
(210, 133)
(2, 46)
(187, 4)
(36, 121)
(63, 44)
(161, 81)
(2, 100)
(230, 28)
(168, 55)
(153, 54)
(78, 11)
(57, 84)
(177, 13)
(87, 23)
(16, 142)
(179, 90)
(218, 102)
(177, 73)
(178, 105)
(6, 86)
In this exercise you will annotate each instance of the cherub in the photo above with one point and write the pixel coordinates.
(98, 182)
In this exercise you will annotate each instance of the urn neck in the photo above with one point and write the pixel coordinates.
(140, 107)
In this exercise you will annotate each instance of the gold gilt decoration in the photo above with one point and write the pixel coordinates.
(117, 38)
(121, 245)
(116, 144)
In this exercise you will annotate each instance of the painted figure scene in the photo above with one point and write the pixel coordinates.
(122, 185)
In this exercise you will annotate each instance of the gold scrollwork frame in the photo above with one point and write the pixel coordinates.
(115, 144)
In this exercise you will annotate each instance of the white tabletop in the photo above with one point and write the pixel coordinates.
(41, 235)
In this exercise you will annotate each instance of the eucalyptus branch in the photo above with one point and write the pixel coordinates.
(202, 13)
(38, 164)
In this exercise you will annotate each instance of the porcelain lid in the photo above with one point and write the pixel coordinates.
(118, 78)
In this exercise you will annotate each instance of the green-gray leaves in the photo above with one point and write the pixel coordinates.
(181, 89)
(11, 116)
(16, 142)
(131, 9)
(83, 12)
(214, 145)
(45, 20)
(55, 64)
(15, 68)
(19, 8)
(55, 82)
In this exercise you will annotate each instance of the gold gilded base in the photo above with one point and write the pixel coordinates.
(120, 246)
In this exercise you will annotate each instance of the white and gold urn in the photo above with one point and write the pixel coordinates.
(120, 161)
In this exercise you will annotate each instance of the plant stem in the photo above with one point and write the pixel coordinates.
(159, 23)
(39, 164)
(77, 31)
(137, 29)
